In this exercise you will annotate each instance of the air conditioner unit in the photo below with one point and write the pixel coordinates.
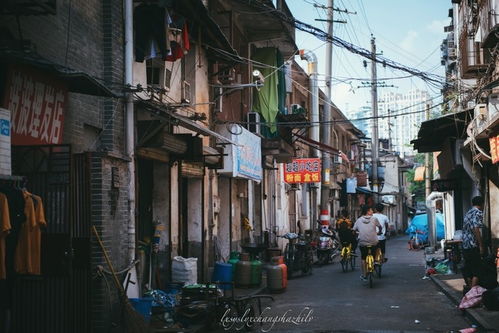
(186, 92)
(452, 53)
(157, 75)
(253, 122)
(493, 107)
(481, 117)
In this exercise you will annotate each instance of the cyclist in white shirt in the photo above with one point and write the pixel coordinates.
(383, 220)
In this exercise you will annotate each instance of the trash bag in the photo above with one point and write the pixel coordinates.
(185, 270)
(443, 267)
(472, 298)
(490, 299)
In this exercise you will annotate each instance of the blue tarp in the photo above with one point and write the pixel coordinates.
(419, 228)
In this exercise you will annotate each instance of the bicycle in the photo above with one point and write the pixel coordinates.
(297, 255)
(347, 257)
(370, 267)
(378, 261)
(216, 310)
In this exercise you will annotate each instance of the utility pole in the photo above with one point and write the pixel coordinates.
(374, 103)
(427, 162)
(326, 114)
(326, 118)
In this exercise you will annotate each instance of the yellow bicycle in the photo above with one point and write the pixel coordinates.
(347, 257)
(370, 267)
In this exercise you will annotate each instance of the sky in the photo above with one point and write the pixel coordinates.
(408, 32)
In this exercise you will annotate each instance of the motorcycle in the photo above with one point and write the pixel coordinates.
(327, 246)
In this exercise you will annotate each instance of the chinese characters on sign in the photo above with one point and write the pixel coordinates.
(37, 104)
(303, 170)
(494, 149)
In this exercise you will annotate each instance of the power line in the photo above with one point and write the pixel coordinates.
(430, 77)
(334, 121)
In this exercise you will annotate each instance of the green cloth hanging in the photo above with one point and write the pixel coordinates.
(265, 99)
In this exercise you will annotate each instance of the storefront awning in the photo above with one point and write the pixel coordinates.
(433, 133)
(165, 111)
(76, 81)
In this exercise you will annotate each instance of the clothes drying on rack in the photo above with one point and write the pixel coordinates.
(21, 218)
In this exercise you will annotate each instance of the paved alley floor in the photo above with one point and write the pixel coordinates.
(330, 300)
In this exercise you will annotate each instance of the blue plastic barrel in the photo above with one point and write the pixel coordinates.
(142, 306)
(223, 273)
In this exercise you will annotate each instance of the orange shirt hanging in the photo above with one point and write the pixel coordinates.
(27, 257)
(4, 231)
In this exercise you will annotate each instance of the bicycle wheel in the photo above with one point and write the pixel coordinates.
(370, 279)
(377, 267)
(344, 265)
(352, 262)
(289, 258)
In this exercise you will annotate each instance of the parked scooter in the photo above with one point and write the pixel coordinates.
(298, 254)
(327, 245)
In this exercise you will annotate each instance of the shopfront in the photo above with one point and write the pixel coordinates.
(239, 190)
(47, 264)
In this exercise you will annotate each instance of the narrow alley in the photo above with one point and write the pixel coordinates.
(340, 301)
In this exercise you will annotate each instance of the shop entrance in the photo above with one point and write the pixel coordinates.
(57, 300)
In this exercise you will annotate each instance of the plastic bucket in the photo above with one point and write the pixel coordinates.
(142, 306)
(223, 273)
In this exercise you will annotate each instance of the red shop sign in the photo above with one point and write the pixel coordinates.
(303, 170)
(494, 149)
(36, 100)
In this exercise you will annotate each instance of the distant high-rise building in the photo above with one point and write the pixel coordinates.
(401, 129)
(361, 123)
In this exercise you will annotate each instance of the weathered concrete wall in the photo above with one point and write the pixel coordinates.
(174, 216)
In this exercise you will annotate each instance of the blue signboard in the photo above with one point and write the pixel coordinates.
(243, 160)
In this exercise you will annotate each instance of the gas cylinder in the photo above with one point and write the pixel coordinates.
(256, 273)
(275, 282)
(243, 271)
(234, 259)
(284, 271)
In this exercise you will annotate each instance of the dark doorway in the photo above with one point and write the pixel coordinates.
(145, 170)
(183, 231)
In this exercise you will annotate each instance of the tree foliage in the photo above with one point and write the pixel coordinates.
(417, 188)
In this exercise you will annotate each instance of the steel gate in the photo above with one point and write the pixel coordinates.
(58, 300)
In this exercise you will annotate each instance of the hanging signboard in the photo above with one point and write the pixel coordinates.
(37, 102)
(494, 149)
(303, 170)
(5, 155)
(243, 160)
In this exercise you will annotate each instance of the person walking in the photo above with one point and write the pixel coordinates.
(473, 246)
(368, 229)
(383, 220)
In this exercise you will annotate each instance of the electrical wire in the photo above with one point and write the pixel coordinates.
(430, 77)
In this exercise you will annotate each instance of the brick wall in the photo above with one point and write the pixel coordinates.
(93, 44)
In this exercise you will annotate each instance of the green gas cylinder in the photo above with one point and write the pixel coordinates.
(234, 259)
(256, 272)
